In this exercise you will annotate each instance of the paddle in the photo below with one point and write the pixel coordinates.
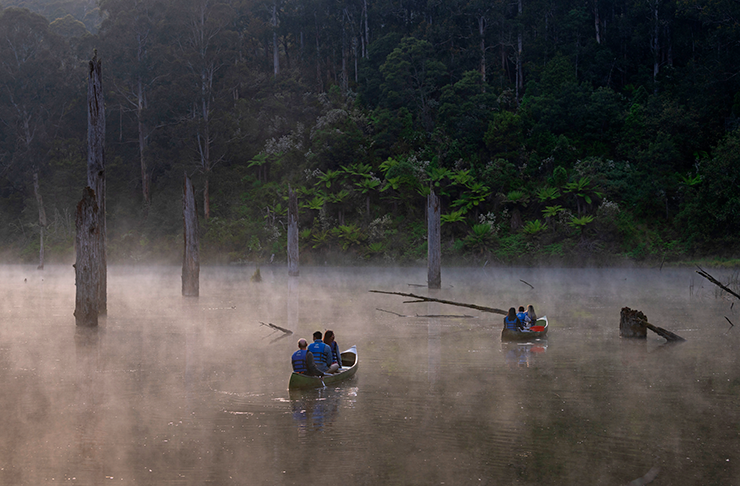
(537, 328)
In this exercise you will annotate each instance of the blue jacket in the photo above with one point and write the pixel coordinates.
(299, 361)
(336, 355)
(321, 354)
(512, 325)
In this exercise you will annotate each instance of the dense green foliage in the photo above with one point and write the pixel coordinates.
(568, 131)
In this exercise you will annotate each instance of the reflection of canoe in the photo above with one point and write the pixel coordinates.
(349, 368)
(540, 332)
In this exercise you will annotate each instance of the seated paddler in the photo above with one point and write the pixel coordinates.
(512, 322)
(522, 315)
(303, 361)
(335, 354)
(322, 354)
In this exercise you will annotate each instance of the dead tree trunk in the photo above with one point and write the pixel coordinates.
(293, 270)
(191, 257)
(434, 244)
(42, 218)
(87, 274)
(634, 324)
(96, 166)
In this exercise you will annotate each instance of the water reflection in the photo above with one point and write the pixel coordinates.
(522, 355)
(176, 391)
(317, 409)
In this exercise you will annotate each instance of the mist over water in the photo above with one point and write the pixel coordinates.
(174, 390)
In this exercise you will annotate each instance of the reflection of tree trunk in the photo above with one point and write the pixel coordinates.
(42, 218)
(191, 258)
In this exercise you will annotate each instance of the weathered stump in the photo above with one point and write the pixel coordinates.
(434, 242)
(96, 166)
(632, 323)
(87, 275)
(293, 270)
(191, 256)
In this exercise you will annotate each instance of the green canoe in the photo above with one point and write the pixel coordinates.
(509, 335)
(349, 368)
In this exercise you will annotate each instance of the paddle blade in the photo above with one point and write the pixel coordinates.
(537, 328)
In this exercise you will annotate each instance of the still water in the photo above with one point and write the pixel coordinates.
(172, 390)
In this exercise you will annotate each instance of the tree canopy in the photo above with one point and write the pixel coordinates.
(550, 130)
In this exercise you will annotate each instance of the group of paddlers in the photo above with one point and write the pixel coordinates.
(520, 321)
(320, 358)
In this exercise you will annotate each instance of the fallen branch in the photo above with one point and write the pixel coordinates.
(530, 285)
(453, 316)
(728, 320)
(269, 324)
(664, 333)
(448, 302)
(715, 282)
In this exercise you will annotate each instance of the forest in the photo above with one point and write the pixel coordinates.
(555, 132)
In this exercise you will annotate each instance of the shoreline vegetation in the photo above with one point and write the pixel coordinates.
(593, 136)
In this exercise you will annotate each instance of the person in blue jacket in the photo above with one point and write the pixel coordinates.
(511, 321)
(303, 361)
(522, 315)
(336, 355)
(322, 354)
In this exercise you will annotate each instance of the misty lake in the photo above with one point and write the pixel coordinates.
(173, 390)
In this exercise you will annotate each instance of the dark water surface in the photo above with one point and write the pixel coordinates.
(171, 390)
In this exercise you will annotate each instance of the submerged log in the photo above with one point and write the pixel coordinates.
(717, 282)
(87, 274)
(190, 257)
(434, 245)
(634, 324)
(277, 328)
(420, 298)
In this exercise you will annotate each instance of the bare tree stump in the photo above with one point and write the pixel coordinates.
(96, 166)
(191, 256)
(434, 245)
(87, 243)
(293, 269)
(632, 323)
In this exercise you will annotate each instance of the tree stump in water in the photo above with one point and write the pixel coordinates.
(434, 246)
(87, 272)
(632, 323)
(191, 254)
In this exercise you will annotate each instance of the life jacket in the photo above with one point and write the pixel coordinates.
(522, 316)
(335, 354)
(321, 354)
(299, 361)
(511, 325)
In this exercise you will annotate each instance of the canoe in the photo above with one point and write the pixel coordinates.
(349, 368)
(541, 325)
